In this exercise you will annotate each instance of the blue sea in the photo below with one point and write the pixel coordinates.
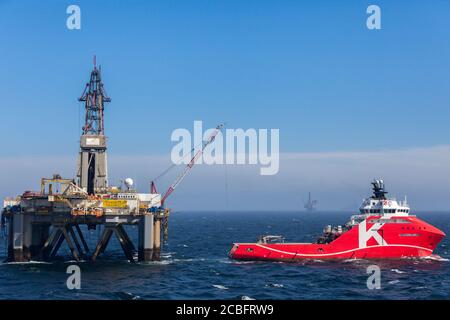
(195, 265)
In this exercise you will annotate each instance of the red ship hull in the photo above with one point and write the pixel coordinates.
(374, 238)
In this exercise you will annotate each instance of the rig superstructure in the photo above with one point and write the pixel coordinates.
(38, 223)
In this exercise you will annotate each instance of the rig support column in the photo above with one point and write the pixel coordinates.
(40, 233)
(165, 226)
(16, 237)
(27, 236)
(157, 240)
(145, 248)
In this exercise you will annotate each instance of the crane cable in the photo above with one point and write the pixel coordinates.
(191, 164)
(173, 165)
(189, 155)
(226, 186)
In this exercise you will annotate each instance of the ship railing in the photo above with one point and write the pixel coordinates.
(360, 216)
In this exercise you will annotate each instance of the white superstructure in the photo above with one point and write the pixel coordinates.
(379, 204)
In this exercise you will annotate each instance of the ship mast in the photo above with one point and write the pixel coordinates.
(378, 190)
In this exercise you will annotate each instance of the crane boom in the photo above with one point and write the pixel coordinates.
(191, 163)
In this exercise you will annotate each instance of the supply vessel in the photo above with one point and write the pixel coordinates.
(384, 228)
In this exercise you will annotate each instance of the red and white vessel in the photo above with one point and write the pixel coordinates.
(383, 229)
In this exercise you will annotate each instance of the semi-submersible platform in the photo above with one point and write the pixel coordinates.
(38, 223)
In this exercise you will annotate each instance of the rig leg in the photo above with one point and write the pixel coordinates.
(125, 236)
(75, 240)
(157, 240)
(166, 226)
(10, 239)
(125, 246)
(103, 242)
(58, 242)
(38, 239)
(17, 238)
(70, 244)
(27, 236)
(83, 241)
(49, 243)
(145, 248)
(107, 239)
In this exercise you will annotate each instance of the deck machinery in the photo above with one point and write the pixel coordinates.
(38, 223)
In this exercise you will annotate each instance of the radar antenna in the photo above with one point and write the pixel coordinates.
(378, 189)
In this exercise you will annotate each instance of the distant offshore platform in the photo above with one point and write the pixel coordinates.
(310, 205)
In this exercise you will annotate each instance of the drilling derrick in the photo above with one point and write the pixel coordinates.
(92, 165)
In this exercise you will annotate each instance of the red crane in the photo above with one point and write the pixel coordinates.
(188, 167)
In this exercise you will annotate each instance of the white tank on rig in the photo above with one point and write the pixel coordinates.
(129, 183)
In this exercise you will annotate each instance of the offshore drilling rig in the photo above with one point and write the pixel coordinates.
(38, 223)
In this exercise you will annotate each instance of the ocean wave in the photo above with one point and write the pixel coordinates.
(318, 260)
(74, 261)
(397, 271)
(25, 263)
(166, 255)
(127, 296)
(155, 263)
(354, 260)
(228, 261)
(220, 287)
(435, 257)
(275, 285)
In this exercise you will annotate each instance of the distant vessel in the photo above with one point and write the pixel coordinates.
(382, 229)
(311, 204)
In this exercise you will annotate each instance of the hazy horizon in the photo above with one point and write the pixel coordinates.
(338, 180)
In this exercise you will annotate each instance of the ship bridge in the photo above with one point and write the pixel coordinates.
(378, 203)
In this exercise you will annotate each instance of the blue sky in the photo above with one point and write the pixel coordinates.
(311, 69)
